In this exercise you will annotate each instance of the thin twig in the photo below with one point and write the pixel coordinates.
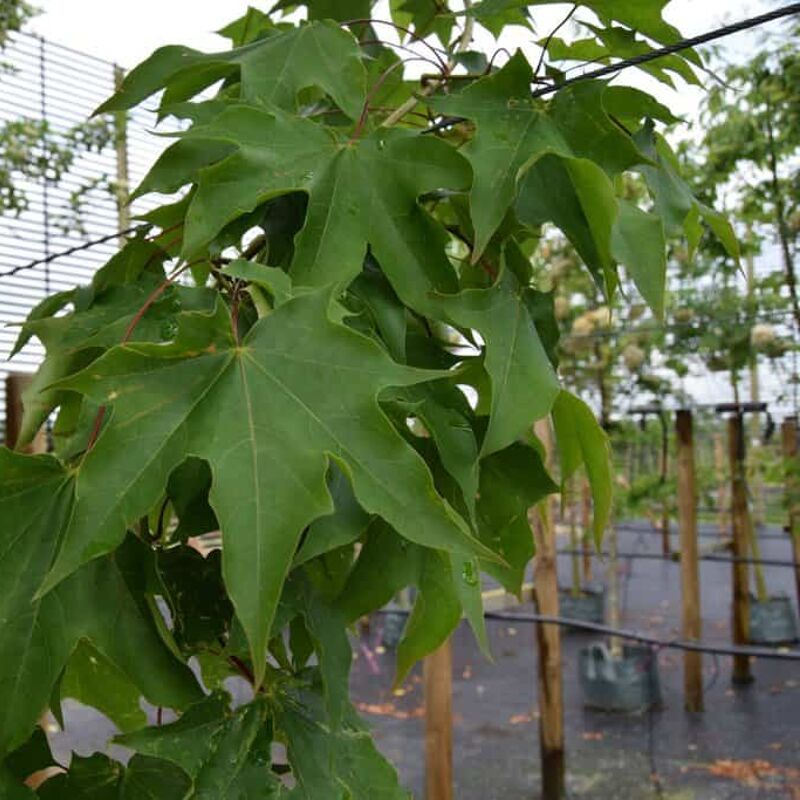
(362, 120)
(463, 44)
(551, 35)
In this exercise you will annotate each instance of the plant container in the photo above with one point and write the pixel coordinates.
(587, 606)
(772, 621)
(393, 621)
(626, 683)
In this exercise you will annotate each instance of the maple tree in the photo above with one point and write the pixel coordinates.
(330, 347)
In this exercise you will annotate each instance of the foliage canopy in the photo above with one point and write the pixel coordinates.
(330, 347)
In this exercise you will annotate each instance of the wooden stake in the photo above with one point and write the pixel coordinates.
(548, 638)
(574, 543)
(438, 677)
(666, 547)
(719, 466)
(612, 580)
(690, 580)
(15, 387)
(790, 454)
(741, 587)
(586, 524)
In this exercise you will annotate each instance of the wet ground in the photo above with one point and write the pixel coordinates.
(745, 746)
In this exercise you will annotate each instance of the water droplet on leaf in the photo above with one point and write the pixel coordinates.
(469, 574)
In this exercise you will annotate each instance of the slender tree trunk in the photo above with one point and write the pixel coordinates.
(783, 230)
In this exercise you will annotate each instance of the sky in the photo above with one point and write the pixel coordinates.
(127, 32)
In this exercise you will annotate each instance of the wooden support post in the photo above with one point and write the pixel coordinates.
(741, 583)
(790, 455)
(690, 581)
(586, 524)
(438, 677)
(548, 638)
(574, 543)
(666, 547)
(719, 466)
(612, 582)
(15, 387)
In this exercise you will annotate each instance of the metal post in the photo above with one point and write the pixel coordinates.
(690, 581)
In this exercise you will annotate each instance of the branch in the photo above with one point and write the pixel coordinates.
(463, 44)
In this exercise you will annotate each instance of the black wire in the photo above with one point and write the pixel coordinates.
(85, 246)
(772, 537)
(675, 558)
(643, 58)
(595, 627)
(671, 49)
(675, 644)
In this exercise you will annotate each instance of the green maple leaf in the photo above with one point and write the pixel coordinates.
(96, 777)
(99, 319)
(267, 415)
(645, 17)
(93, 680)
(582, 442)
(340, 10)
(673, 199)
(511, 482)
(523, 381)
(97, 604)
(425, 17)
(223, 753)
(273, 71)
(341, 764)
(512, 134)
(362, 194)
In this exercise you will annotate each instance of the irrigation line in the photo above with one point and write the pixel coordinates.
(675, 558)
(635, 61)
(763, 537)
(623, 633)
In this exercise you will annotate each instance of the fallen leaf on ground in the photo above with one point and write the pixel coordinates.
(756, 773)
(390, 710)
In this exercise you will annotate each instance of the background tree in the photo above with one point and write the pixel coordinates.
(32, 151)
(748, 154)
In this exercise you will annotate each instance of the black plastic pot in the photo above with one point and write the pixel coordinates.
(772, 621)
(393, 621)
(588, 606)
(629, 683)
